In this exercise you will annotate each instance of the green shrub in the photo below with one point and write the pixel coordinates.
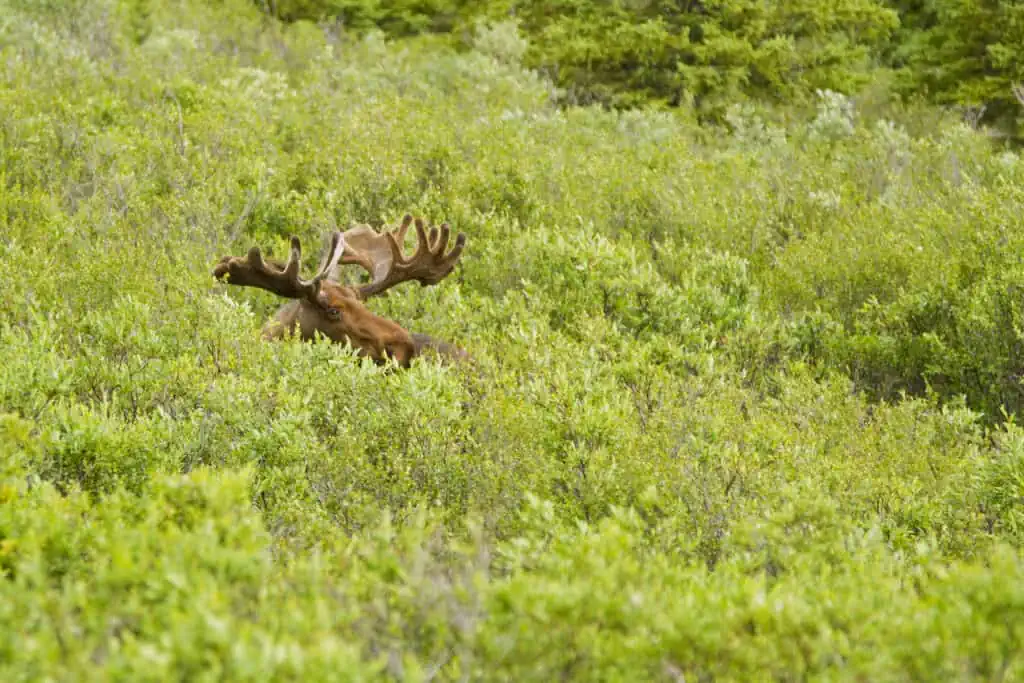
(742, 403)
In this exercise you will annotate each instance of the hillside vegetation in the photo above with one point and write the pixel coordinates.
(709, 54)
(743, 401)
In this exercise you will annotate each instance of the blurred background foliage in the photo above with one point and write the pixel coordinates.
(708, 55)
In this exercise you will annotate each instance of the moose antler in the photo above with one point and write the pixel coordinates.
(380, 254)
(253, 271)
(326, 307)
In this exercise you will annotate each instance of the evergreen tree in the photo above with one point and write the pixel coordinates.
(968, 52)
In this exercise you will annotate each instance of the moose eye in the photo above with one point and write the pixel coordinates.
(333, 313)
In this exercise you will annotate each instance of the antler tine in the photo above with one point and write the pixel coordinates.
(396, 239)
(422, 242)
(403, 228)
(333, 254)
(291, 269)
(438, 238)
(456, 253)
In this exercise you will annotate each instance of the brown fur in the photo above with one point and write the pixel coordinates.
(374, 336)
(427, 345)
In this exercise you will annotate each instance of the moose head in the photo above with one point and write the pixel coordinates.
(326, 306)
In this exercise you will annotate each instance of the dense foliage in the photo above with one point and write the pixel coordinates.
(965, 52)
(705, 53)
(743, 402)
(712, 53)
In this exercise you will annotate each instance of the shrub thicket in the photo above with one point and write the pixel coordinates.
(736, 410)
